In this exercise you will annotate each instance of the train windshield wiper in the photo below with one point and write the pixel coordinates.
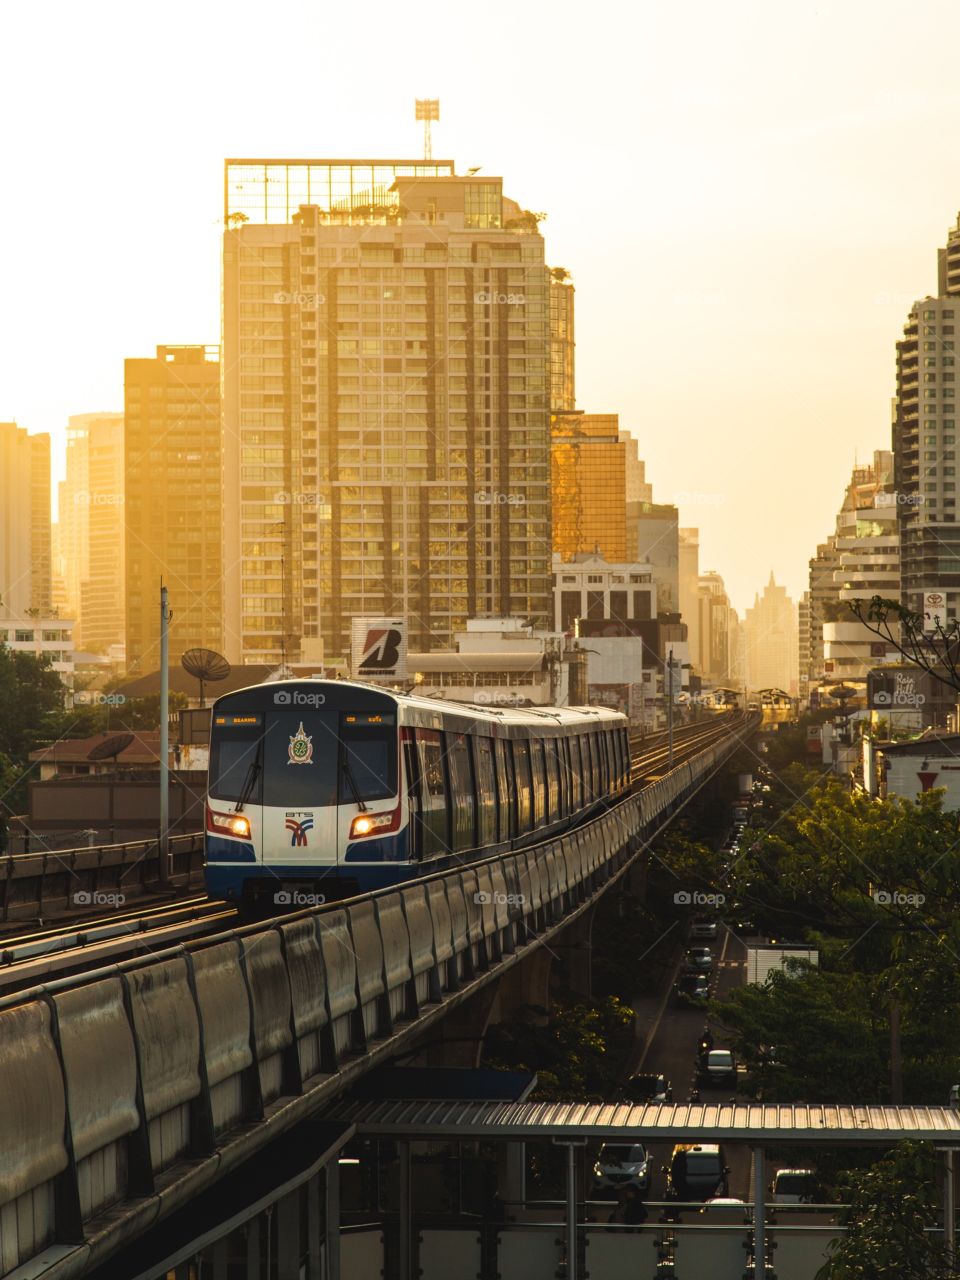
(249, 782)
(352, 782)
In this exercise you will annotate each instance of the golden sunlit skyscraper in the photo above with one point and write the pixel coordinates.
(563, 395)
(90, 532)
(386, 383)
(173, 499)
(589, 465)
(25, 539)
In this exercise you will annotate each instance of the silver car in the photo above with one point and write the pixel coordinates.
(620, 1165)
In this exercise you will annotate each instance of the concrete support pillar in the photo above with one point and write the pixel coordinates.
(950, 1204)
(458, 1040)
(331, 1250)
(314, 1228)
(574, 948)
(526, 987)
(253, 1270)
(405, 1233)
(512, 1175)
(288, 1237)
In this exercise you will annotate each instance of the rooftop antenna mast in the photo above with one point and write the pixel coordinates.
(428, 110)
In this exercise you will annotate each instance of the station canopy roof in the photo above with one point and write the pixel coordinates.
(822, 1124)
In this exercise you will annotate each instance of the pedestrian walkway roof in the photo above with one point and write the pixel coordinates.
(823, 1124)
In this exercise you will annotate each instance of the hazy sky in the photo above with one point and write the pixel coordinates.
(749, 197)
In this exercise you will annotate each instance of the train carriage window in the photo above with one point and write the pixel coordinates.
(606, 767)
(617, 741)
(535, 746)
(507, 792)
(369, 756)
(563, 760)
(521, 766)
(486, 791)
(461, 791)
(589, 768)
(236, 762)
(434, 815)
(625, 752)
(576, 772)
(553, 779)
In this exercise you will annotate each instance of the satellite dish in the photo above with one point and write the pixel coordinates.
(110, 747)
(205, 664)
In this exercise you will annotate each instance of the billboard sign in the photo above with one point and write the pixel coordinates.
(935, 612)
(378, 649)
(897, 690)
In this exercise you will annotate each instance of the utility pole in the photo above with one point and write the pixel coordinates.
(670, 709)
(163, 845)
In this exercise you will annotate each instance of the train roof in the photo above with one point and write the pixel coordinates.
(509, 717)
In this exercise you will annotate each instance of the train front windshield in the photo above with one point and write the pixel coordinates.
(310, 756)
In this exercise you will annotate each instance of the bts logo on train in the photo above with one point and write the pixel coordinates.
(379, 648)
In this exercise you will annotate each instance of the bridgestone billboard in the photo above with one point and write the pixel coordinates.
(378, 649)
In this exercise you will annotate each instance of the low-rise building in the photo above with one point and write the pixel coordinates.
(589, 587)
(44, 637)
(908, 769)
(502, 662)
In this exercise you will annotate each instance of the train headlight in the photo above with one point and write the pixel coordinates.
(228, 824)
(368, 824)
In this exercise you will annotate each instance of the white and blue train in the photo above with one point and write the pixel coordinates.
(329, 787)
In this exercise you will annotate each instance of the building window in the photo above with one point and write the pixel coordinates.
(23, 637)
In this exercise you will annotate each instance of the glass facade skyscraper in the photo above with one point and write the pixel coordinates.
(386, 404)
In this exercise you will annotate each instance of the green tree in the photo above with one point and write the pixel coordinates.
(891, 1207)
(577, 1056)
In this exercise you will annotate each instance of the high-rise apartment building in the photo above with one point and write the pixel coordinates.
(860, 560)
(688, 589)
(588, 463)
(90, 529)
(386, 404)
(712, 656)
(653, 535)
(925, 438)
(25, 537)
(563, 395)
(173, 501)
(822, 606)
(770, 641)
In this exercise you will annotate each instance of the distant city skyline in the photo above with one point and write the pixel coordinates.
(743, 251)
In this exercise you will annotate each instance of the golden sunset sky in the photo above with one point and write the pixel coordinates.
(749, 196)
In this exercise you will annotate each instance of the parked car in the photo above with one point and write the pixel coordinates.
(692, 988)
(718, 1066)
(698, 960)
(703, 927)
(794, 1186)
(697, 1171)
(648, 1086)
(620, 1165)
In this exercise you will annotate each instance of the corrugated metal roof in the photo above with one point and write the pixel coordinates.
(729, 1121)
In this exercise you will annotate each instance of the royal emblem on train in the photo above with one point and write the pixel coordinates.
(300, 750)
(298, 824)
